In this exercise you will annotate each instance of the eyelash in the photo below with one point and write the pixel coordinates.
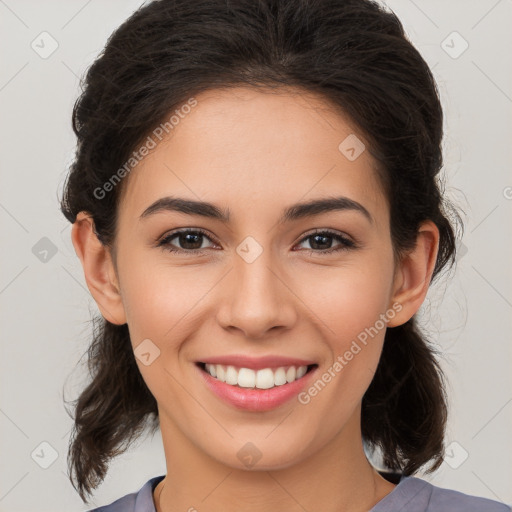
(347, 244)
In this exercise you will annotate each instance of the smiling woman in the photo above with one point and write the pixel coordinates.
(259, 268)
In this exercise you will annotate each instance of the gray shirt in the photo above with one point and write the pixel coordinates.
(410, 495)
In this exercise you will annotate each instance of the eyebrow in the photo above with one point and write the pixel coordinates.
(291, 213)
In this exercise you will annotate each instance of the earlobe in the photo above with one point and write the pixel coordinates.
(412, 279)
(98, 268)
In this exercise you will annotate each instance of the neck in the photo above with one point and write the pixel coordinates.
(337, 478)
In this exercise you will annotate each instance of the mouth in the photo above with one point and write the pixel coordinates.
(258, 389)
(256, 379)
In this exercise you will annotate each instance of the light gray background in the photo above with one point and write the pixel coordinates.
(45, 306)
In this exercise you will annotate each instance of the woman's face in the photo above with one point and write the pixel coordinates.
(259, 283)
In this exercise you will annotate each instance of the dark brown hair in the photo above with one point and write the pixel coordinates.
(355, 55)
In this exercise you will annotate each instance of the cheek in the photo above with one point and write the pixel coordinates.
(159, 298)
(161, 303)
(351, 298)
(353, 306)
(356, 333)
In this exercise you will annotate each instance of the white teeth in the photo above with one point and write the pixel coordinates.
(301, 371)
(280, 377)
(231, 376)
(291, 374)
(246, 378)
(221, 373)
(265, 378)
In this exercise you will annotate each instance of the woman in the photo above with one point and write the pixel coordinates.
(256, 204)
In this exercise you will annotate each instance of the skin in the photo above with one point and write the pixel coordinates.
(256, 152)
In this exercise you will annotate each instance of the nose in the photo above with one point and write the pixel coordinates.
(256, 298)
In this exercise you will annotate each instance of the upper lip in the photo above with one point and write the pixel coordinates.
(256, 363)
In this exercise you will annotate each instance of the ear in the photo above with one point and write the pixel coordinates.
(414, 273)
(98, 269)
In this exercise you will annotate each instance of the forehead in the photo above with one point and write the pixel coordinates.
(255, 148)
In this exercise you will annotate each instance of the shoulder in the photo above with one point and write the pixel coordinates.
(123, 504)
(430, 498)
(447, 499)
(139, 501)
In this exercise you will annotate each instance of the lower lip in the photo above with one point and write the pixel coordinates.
(253, 399)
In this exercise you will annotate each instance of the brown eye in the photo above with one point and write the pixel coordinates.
(321, 242)
(189, 240)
